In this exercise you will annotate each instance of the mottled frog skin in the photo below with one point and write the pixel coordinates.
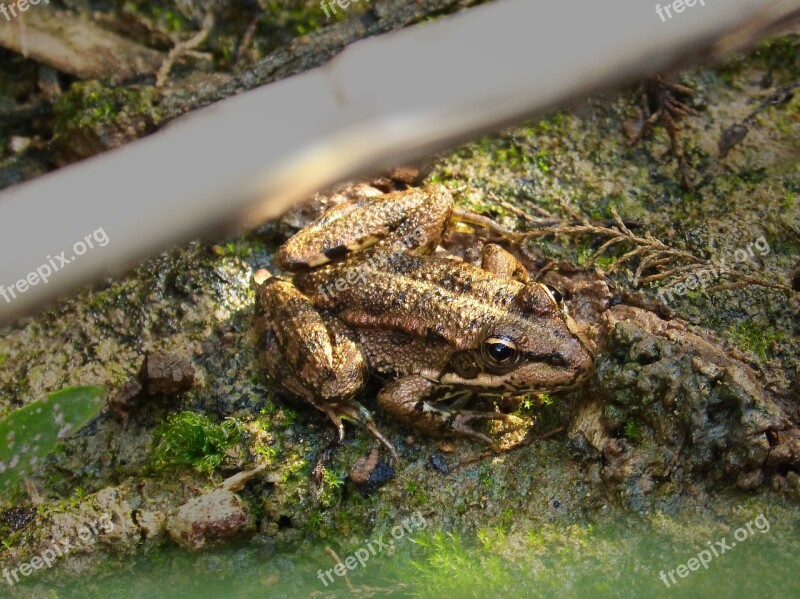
(370, 297)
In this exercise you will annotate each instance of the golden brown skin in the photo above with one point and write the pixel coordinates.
(369, 297)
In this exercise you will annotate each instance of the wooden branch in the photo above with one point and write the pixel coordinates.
(303, 53)
(73, 45)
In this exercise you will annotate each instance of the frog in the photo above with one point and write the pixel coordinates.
(370, 294)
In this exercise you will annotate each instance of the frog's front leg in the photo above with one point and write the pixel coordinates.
(312, 356)
(407, 400)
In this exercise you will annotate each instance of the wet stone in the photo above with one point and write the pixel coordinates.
(438, 463)
(208, 520)
(168, 373)
(18, 517)
(369, 474)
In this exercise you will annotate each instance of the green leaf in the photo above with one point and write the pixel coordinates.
(30, 434)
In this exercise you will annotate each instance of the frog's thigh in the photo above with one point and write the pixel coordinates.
(416, 218)
(405, 400)
(498, 261)
(312, 356)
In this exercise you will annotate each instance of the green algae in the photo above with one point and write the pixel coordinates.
(580, 558)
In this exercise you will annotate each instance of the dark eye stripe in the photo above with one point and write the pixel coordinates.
(336, 252)
(552, 358)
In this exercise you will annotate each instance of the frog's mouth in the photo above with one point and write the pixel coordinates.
(544, 380)
(542, 373)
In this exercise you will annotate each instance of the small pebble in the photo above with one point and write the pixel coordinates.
(369, 474)
(446, 446)
(19, 144)
(261, 275)
(168, 373)
(438, 463)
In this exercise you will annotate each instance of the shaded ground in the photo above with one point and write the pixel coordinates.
(693, 417)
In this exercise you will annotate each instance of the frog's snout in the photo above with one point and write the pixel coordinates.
(583, 361)
(584, 365)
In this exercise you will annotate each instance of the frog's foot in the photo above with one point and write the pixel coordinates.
(405, 400)
(312, 355)
(358, 414)
(458, 423)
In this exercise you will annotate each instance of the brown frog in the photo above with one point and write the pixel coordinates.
(370, 297)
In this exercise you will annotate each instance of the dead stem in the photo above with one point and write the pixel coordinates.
(185, 48)
(652, 253)
(528, 440)
(333, 554)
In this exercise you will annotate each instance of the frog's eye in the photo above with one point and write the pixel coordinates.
(500, 351)
(555, 294)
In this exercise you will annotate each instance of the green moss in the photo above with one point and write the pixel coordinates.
(415, 491)
(192, 439)
(755, 337)
(330, 488)
(632, 432)
(269, 453)
(169, 20)
(89, 104)
(542, 160)
(237, 248)
(274, 415)
(603, 261)
(294, 467)
(161, 16)
(781, 54)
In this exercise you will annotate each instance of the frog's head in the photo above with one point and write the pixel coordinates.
(532, 346)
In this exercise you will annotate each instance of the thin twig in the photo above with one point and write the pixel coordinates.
(184, 48)
(528, 440)
(653, 253)
(333, 554)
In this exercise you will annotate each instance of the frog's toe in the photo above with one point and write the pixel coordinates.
(355, 412)
(459, 423)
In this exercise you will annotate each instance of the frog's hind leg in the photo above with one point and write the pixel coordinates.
(312, 356)
(407, 400)
(411, 221)
(498, 261)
